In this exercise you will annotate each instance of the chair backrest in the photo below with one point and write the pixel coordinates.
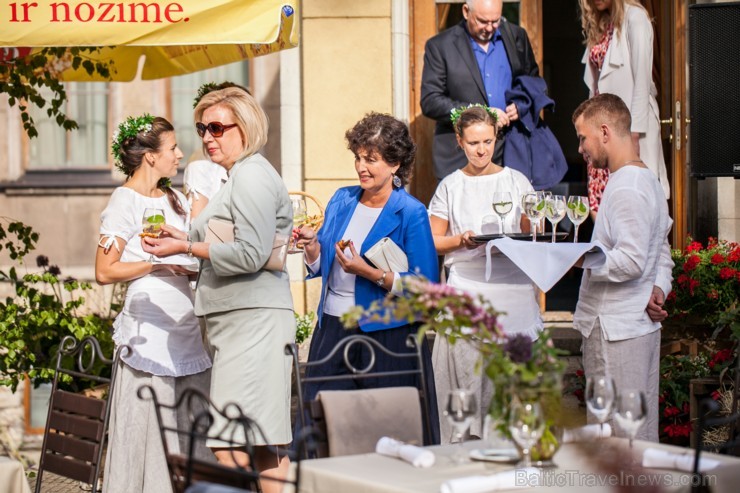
(352, 421)
(76, 425)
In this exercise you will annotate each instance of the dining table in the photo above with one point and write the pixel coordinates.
(601, 465)
(12, 476)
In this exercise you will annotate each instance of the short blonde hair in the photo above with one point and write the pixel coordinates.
(248, 116)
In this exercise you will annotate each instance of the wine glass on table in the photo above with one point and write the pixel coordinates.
(502, 206)
(533, 204)
(152, 222)
(577, 210)
(631, 412)
(600, 394)
(460, 410)
(526, 425)
(300, 214)
(555, 211)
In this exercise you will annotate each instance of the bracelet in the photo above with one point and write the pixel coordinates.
(190, 248)
(381, 282)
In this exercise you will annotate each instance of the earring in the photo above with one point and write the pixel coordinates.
(397, 181)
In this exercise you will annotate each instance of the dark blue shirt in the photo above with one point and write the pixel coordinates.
(494, 69)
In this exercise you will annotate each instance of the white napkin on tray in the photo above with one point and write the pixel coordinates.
(416, 456)
(663, 459)
(586, 433)
(527, 477)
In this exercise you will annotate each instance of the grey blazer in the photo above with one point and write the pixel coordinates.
(255, 199)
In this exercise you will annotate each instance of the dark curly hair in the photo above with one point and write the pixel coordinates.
(389, 137)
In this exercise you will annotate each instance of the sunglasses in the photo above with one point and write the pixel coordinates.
(216, 129)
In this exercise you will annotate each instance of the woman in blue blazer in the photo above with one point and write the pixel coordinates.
(361, 215)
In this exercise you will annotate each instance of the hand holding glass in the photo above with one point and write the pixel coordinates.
(526, 424)
(300, 212)
(555, 211)
(577, 212)
(631, 412)
(600, 398)
(460, 410)
(152, 222)
(502, 206)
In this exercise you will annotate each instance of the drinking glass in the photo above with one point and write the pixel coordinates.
(600, 395)
(577, 212)
(502, 206)
(460, 410)
(526, 424)
(555, 211)
(300, 212)
(152, 222)
(533, 204)
(631, 412)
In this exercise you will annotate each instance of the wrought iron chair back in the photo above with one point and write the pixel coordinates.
(77, 425)
(313, 409)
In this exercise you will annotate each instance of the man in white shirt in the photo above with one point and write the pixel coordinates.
(620, 305)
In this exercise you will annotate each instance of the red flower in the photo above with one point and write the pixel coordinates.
(734, 255)
(671, 296)
(683, 280)
(671, 411)
(694, 246)
(691, 263)
(712, 241)
(580, 373)
(716, 395)
(578, 393)
(678, 430)
(718, 258)
(693, 284)
(686, 408)
(727, 273)
(713, 294)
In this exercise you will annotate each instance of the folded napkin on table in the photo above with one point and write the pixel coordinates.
(662, 459)
(527, 477)
(416, 456)
(586, 433)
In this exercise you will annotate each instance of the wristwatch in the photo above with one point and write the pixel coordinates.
(190, 248)
(381, 282)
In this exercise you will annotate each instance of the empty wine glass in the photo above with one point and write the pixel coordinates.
(526, 424)
(577, 212)
(533, 204)
(460, 410)
(555, 211)
(631, 412)
(502, 206)
(152, 222)
(600, 398)
(300, 212)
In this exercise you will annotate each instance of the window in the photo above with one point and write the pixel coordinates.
(83, 148)
(183, 91)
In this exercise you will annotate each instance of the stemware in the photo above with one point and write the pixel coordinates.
(152, 222)
(631, 412)
(577, 212)
(555, 211)
(300, 212)
(533, 204)
(526, 424)
(502, 206)
(600, 395)
(460, 410)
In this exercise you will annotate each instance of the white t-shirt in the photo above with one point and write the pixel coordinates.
(203, 178)
(157, 318)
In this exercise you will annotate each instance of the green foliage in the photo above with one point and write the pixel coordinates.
(43, 310)
(303, 326)
(23, 78)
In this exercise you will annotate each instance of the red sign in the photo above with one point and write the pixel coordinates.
(8, 54)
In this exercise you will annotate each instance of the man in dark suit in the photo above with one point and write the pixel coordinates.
(472, 62)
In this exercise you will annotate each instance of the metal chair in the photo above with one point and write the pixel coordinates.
(316, 412)
(76, 425)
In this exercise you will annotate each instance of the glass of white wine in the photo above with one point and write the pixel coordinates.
(526, 425)
(300, 212)
(631, 412)
(555, 211)
(502, 206)
(152, 222)
(533, 204)
(577, 210)
(600, 394)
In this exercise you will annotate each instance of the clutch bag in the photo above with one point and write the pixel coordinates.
(221, 231)
(387, 256)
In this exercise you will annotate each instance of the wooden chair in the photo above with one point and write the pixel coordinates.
(76, 425)
(352, 421)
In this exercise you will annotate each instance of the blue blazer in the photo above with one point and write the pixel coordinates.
(403, 219)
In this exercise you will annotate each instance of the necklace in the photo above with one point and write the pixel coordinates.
(632, 161)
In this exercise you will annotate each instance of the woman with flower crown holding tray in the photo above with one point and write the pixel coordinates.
(157, 319)
(461, 209)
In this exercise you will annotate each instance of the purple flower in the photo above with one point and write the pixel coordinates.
(54, 270)
(42, 261)
(519, 348)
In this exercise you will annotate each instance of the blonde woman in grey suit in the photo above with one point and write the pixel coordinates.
(248, 310)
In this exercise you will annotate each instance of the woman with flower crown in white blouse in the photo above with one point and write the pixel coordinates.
(157, 319)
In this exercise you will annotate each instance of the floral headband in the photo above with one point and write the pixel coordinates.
(203, 90)
(456, 113)
(128, 129)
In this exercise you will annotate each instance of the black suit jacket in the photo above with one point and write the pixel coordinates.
(451, 79)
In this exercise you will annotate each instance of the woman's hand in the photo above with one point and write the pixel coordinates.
(173, 232)
(306, 239)
(466, 240)
(164, 246)
(355, 264)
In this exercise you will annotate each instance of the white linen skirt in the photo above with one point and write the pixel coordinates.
(251, 369)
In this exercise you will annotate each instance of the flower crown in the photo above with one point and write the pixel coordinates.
(128, 129)
(203, 90)
(456, 113)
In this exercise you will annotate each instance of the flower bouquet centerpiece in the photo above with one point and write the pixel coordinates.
(518, 367)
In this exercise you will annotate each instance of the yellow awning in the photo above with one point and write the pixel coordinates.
(175, 37)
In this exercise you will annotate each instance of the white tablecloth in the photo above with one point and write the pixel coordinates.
(12, 477)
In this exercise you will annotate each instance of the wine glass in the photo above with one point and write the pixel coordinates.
(631, 412)
(600, 398)
(526, 424)
(300, 212)
(152, 222)
(555, 211)
(533, 204)
(502, 206)
(577, 212)
(460, 410)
